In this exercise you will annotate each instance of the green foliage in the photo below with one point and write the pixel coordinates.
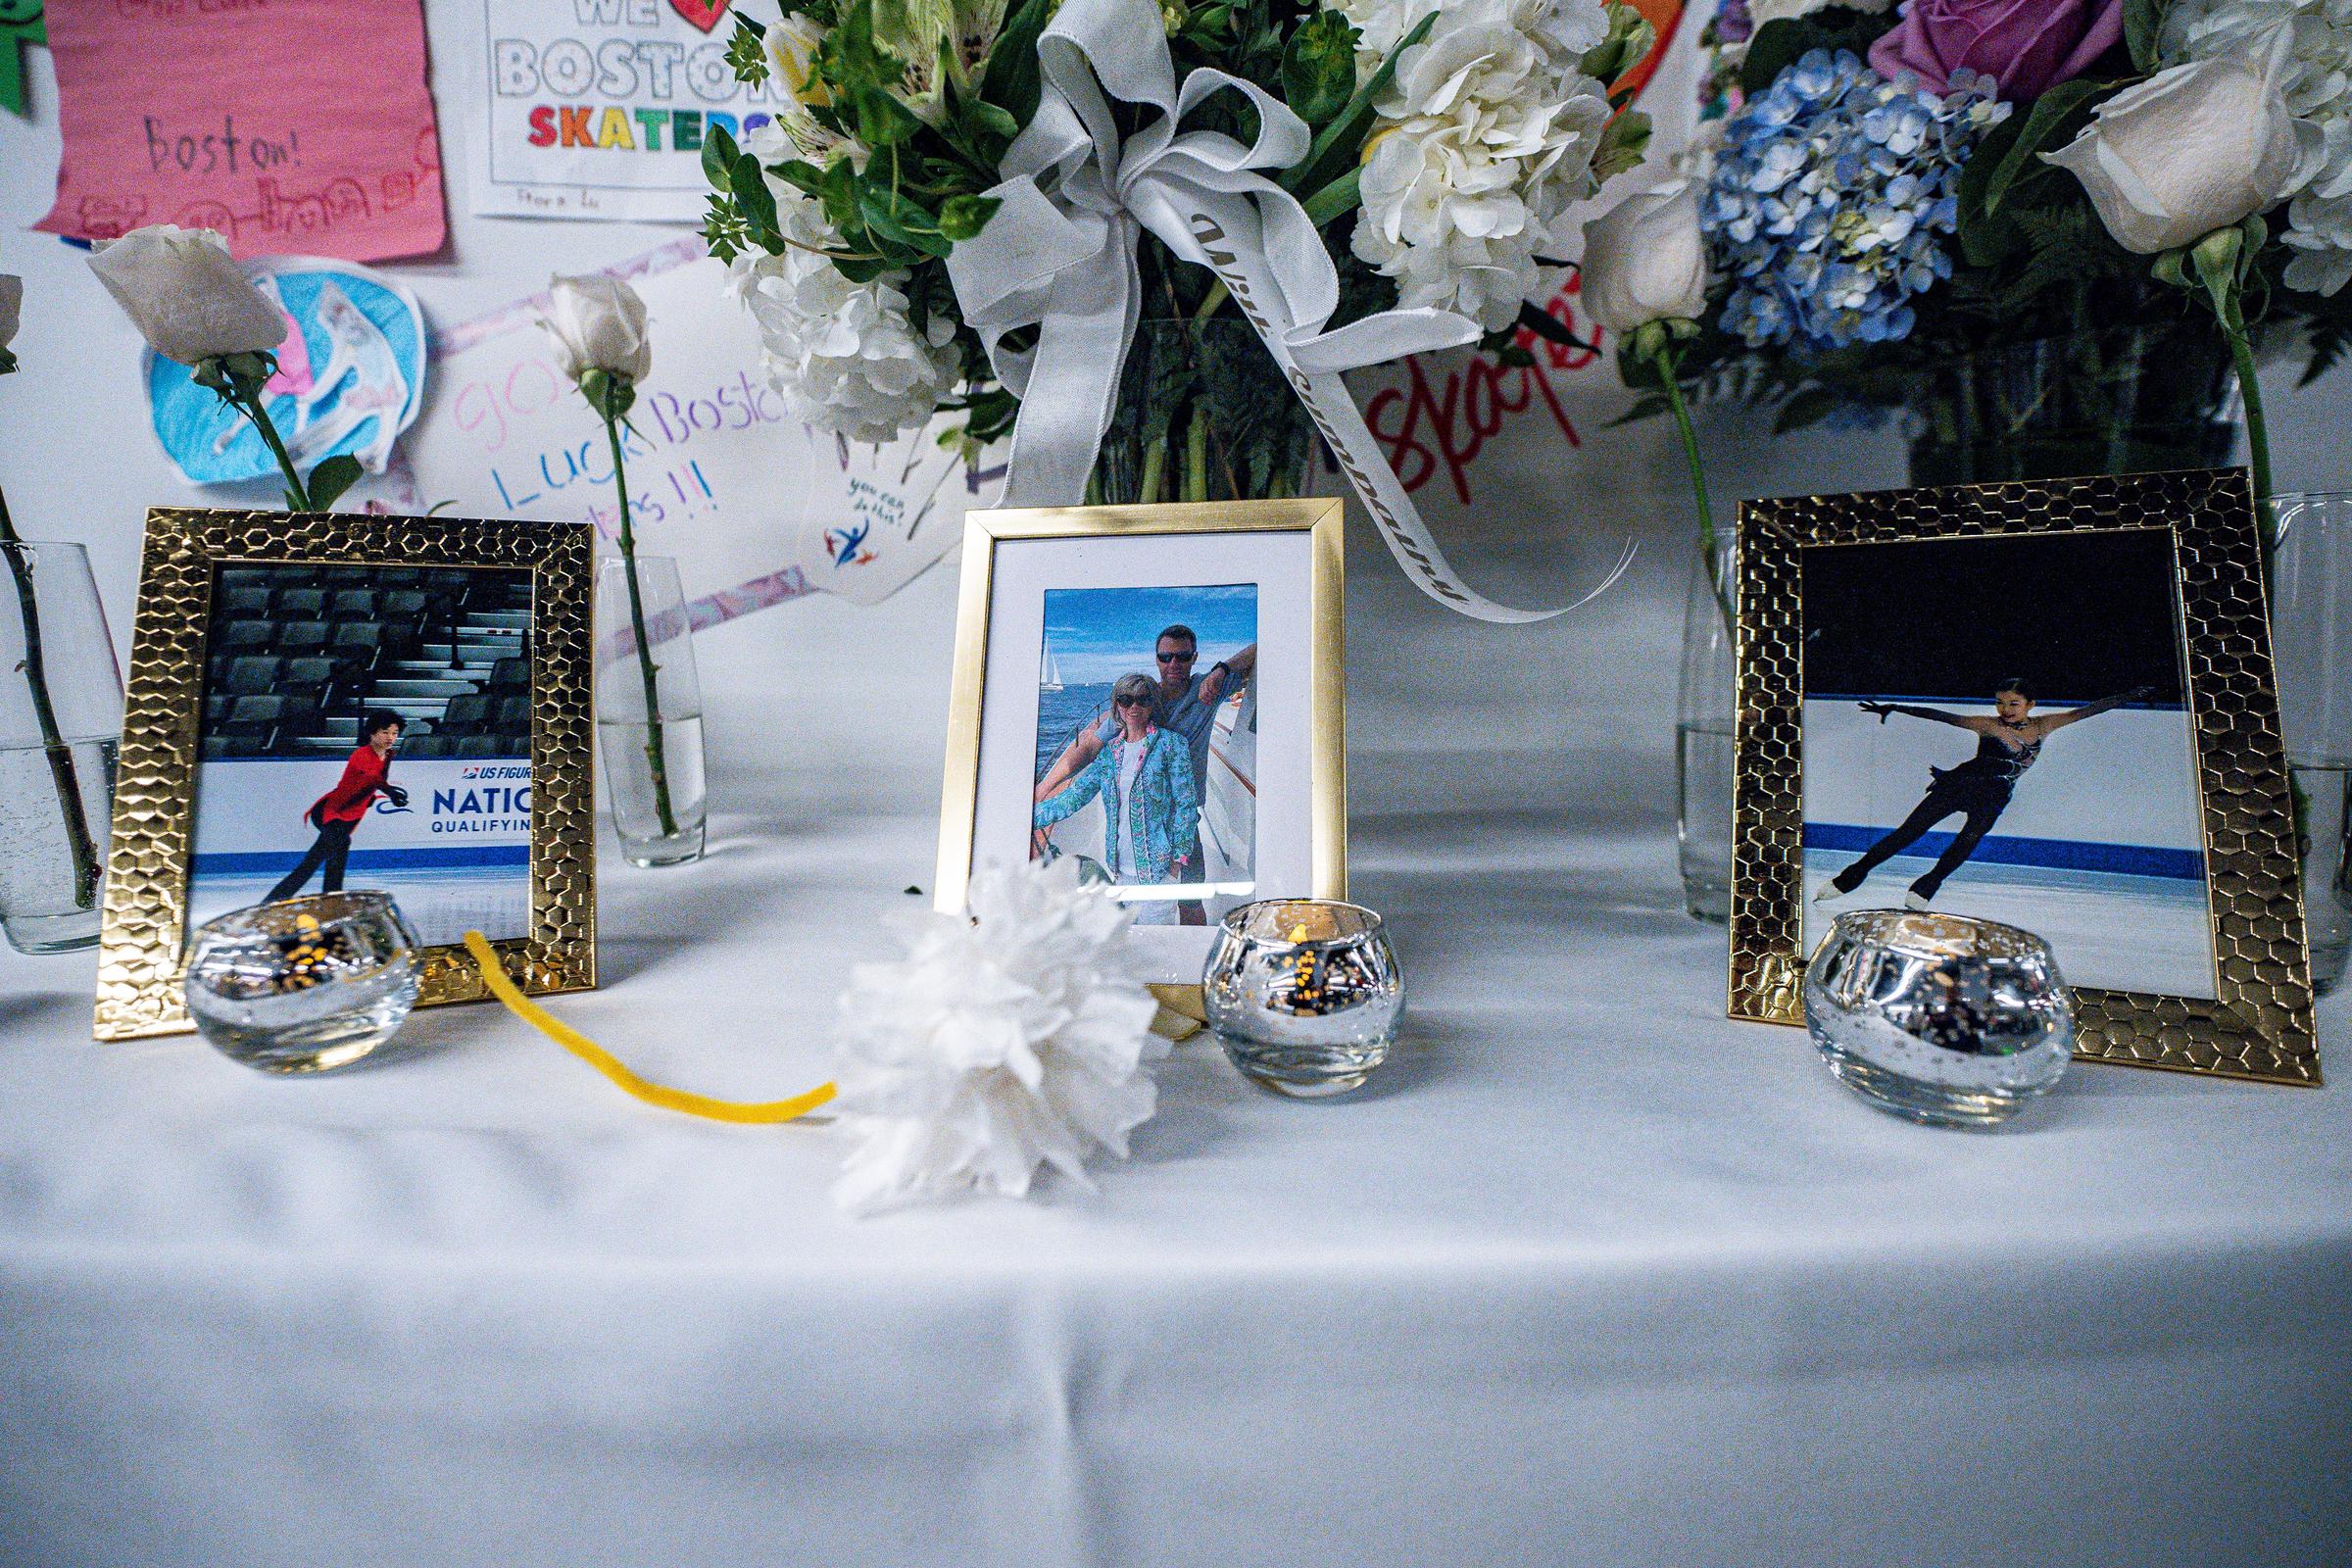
(1318, 68)
(331, 478)
(1777, 46)
(1340, 144)
(1630, 37)
(2143, 20)
(747, 53)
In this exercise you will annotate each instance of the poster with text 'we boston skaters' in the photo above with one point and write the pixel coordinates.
(598, 108)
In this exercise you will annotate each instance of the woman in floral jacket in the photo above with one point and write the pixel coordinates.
(1151, 814)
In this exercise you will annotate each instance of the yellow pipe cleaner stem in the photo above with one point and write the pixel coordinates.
(595, 1056)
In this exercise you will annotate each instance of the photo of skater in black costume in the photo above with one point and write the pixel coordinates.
(1979, 789)
(2000, 728)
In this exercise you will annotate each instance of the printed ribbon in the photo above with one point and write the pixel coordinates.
(494, 975)
(1059, 255)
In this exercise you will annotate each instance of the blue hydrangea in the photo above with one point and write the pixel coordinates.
(1832, 193)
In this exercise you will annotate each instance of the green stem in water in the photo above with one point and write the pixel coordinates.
(80, 846)
(1659, 352)
(656, 761)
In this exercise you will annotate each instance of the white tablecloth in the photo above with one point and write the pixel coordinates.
(1588, 1275)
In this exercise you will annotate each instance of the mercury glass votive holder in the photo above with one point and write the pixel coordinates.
(305, 985)
(1938, 1018)
(1303, 994)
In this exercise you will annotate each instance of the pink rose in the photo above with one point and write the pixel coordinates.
(2026, 46)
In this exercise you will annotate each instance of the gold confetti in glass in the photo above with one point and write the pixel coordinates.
(305, 985)
(1305, 993)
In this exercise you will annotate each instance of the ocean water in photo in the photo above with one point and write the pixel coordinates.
(1061, 714)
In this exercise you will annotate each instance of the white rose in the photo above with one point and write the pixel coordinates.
(846, 356)
(598, 323)
(2190, 150)
(186, 297)
(1645, 259)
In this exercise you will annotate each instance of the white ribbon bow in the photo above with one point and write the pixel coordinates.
(1059, 255)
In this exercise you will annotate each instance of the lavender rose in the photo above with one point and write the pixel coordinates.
(2026, 46)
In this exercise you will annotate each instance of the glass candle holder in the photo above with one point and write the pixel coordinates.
(304, 985)
(1938, 1018)
(1305, 993)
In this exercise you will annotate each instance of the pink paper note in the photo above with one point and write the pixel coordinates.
(293, 126)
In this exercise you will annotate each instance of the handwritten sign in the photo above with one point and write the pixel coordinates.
(598, 108)
(758, 506)
(290, 126)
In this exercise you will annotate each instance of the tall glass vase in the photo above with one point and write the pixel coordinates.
(648, 712)
(2131, 399)
(1706, 706)
(1203, 415)
(61, 718)
(2311, 624)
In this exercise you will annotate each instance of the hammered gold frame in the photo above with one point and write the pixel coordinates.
(142, 934)
(1326, 700)
(2261, 1026)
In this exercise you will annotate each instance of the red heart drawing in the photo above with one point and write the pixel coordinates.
(704, 14)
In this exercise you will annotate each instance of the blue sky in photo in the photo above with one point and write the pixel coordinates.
(1099, 634)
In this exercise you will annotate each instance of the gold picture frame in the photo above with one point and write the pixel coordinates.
(1318, 519)
(2260, 1026)
(142, 937)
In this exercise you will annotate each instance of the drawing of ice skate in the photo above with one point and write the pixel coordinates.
(378, 390)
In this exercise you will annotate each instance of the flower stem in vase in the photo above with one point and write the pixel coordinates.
(78, 841)
(1654, 343)
(657, 763)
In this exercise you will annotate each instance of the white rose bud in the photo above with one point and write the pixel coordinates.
(1645, 259)
(598, 323)
(2190, 150)
(186, 297)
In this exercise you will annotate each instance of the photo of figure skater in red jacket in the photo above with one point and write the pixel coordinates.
(340, 809)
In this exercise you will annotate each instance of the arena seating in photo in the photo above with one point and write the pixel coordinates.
(297, 654)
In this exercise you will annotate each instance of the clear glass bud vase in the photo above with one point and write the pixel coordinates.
(2311, 634)
(1706, 708)
(648, 712)
(60, 718)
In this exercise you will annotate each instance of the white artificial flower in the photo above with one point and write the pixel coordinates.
(184, 294)
(1482, 141)
(2308, 46)
(846, 356)
(1645, 259)
(2192, 150)
(598, 323)
(1009, 1039)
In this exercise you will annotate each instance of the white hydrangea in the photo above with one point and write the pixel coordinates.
(1484, 140)
(2309, 46)
(844, 355)
(1016, 1038)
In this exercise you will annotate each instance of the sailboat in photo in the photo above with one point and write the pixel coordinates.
(1049, 670)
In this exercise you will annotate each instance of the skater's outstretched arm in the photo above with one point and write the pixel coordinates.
(2094, 709)
(1957, 721)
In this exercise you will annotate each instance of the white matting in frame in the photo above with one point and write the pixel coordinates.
(1293, 687)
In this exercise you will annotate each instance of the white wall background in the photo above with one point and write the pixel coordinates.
(821, 707)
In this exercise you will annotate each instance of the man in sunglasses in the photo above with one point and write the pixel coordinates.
(1187, 705)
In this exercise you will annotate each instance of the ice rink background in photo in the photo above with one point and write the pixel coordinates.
(459, 859)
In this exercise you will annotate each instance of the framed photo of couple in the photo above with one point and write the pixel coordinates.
(1153, 692)
(2047, 704)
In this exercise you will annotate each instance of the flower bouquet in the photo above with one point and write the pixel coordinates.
(1141, 241)
(2046, 236)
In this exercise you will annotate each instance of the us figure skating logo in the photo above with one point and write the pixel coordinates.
(847, 546)
(496, 771)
